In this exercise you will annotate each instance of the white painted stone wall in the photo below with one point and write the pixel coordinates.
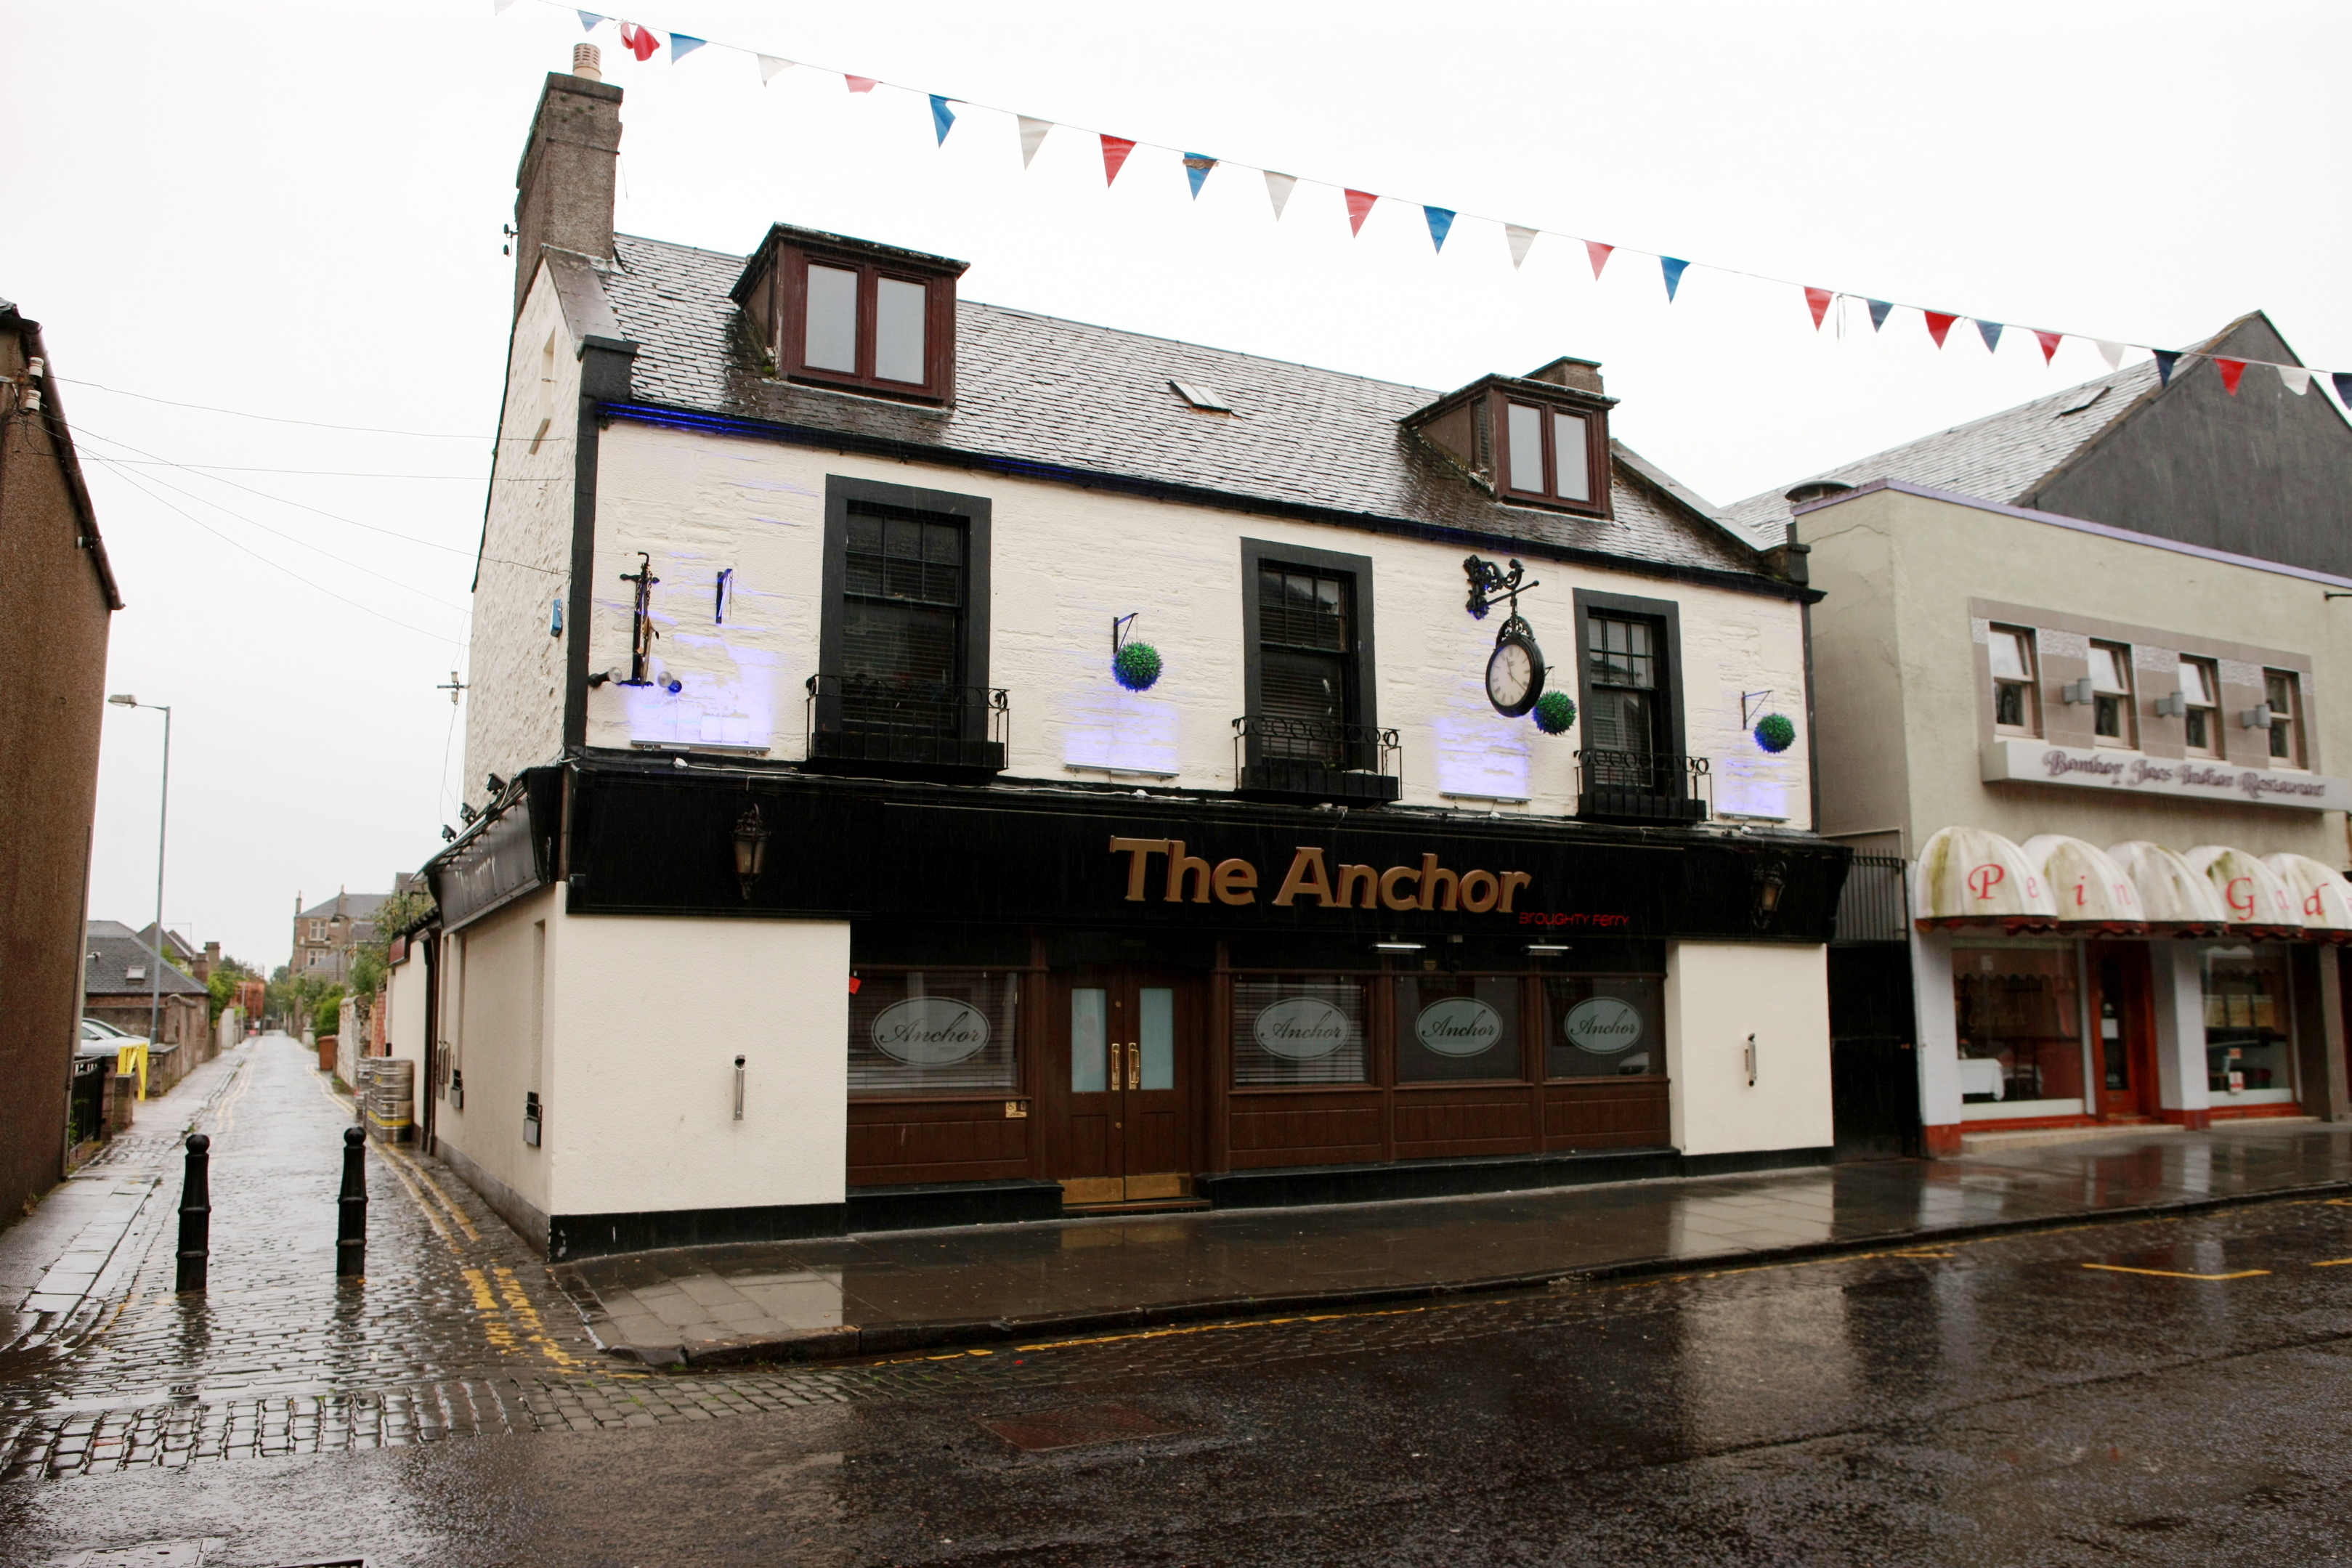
(1064, 561)
(404, 1031)
(647, 1016)
(1717, 994)
(493, 1015)
(514, 700)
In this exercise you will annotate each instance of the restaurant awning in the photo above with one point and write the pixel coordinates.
(2322, 894)
(2251, 893)
(2089, 888)
(1971, 874)
(2171, 892)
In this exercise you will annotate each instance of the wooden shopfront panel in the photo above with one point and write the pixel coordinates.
(929, 1102)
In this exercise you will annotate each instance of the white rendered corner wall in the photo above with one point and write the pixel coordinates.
(404, 1023)
(1717, 995)
(646, 1018)
(514, 696)
(493, 1014)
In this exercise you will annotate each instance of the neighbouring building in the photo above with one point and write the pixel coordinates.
(2081, 682)
(60, 598)
(327, 935)
(124, 986)
(940, 762)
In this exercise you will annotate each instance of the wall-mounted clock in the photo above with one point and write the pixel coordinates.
(1514, 670)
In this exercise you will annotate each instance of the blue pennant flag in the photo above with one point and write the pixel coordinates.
(589, 20)
(1672, 267)
(1990, 331)
(1878, 309)
(942, 117)
(682, 45)
(1441, 223)
(1196, 170)
(2343, 380)
(2164, 360)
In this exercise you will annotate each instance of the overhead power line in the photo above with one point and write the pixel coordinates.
(313, 424)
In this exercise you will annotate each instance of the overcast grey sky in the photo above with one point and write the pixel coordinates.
(294, 211)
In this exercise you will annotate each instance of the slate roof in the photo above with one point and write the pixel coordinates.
(356, 905)
(1033, 389)
(2002, 457)
(112, 951)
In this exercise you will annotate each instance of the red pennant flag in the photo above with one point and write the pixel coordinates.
(1600, 255)
(859, 84)
(1817, 301)
(2230, 371)
(1115, 152)
(640, 41)
(2049, 341)
(1360, 207)
(1938, 324)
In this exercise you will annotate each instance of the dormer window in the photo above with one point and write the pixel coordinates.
(1547, 453)
(843, 313)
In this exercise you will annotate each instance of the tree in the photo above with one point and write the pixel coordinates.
(228, 974)
(395, 917)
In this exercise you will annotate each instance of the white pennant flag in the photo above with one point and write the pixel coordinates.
(2111, 352)
(1520, 240)
(770, 66)
(1278, 189)
(1033, 137)
(2296, 379)
(499, 7)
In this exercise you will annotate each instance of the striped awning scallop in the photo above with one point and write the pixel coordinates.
(2088, 887)
(2320, 892)
(2250, 891)
(1968, 874)
(2171, 890)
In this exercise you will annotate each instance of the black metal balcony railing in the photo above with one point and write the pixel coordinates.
(1316, 760)
(907, 724)
(1642, 786)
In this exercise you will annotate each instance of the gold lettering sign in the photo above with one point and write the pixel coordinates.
(1188, 878)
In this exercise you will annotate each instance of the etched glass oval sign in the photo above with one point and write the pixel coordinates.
(1604, 1026)
(1458, 1026)
(1300, 1028)
(929, 1032)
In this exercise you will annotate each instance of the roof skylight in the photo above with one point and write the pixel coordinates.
(1207, 399)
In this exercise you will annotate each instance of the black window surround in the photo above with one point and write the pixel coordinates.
(952, 725)
(1360, 765)
(1621, 786)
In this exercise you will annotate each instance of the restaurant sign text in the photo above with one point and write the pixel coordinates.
(2015, 759)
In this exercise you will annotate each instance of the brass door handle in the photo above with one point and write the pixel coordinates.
(1134, 1065)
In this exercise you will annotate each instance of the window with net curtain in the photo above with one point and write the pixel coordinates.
(2018, 1006)
(934, 1031)
(1624, 684)
(903, 604)
(1305, 646)
(1298, 1029)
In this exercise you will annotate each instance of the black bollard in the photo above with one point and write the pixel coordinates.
(351, 1228)
(196, 1216)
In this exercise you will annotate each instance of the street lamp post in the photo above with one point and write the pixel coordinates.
(162, 821)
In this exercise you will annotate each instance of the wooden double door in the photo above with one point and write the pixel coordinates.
(1126, 1050)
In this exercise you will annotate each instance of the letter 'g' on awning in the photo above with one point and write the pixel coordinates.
(2251, 893)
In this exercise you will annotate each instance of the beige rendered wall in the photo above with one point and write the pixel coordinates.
(1857, 679)
(403, 1022)
(1926, 558)
(1064, 561)
(493, 1012)
(514, 700)
(1717, 994)
(648, 1017)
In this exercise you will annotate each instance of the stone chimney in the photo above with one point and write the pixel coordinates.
(563, 189)
(209, 962)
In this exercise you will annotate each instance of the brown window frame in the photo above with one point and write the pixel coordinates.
(1596, 453)
(2210, 709)
(2297, 742)
(2126, 701)
(2032, 686)
(792, 265)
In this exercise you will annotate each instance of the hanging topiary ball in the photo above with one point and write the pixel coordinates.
(1775, 733)
(1137, 665)
(1554, 712)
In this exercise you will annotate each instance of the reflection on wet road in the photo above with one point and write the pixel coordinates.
(2148, 1392)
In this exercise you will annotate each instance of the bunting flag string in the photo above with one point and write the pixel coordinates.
(643, 43)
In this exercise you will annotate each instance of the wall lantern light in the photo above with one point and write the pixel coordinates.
(2172, 704)
(1771, 879)
(2078, 692)
(752, 837)
(2258, 717)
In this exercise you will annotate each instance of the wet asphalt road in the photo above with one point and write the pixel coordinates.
(2016, 1400)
